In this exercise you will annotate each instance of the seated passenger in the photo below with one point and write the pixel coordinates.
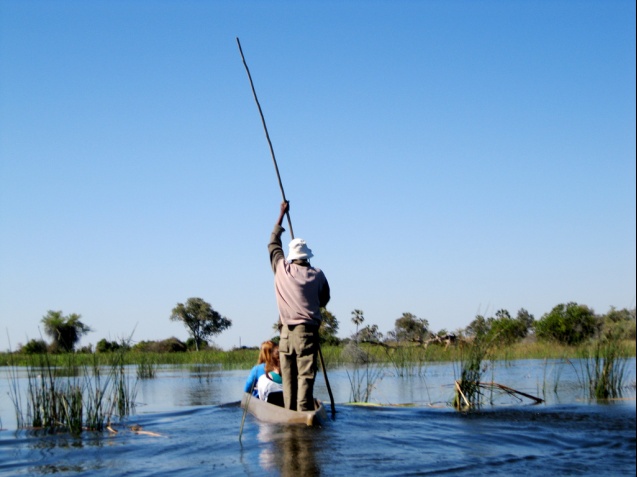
(270, 384)
(259, 369)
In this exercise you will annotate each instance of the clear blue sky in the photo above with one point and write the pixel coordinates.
(443, 158)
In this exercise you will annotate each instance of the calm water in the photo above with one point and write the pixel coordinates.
(195, 421)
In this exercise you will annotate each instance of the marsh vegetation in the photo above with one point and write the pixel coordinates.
(72, 391)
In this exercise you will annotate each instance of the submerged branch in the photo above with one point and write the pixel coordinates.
(461, 393)
(511, 391)
(474, 386)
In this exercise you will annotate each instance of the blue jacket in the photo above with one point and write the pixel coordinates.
(251, 383)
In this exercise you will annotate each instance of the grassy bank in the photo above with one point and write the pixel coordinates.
(234, 359)
(334, 355)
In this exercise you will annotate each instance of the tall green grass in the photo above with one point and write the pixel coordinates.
(147, 367)
(605, 368)
(64, 396)
(467, 389)
(365, 373)
(402, 359)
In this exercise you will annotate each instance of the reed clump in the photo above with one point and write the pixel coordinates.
(467, 389)
(62, 396)
(365, 374)
(147, 367)
(605, 365)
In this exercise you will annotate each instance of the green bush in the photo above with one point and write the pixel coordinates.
(569, 324)
(34, 347)
(194, 345)
(619, 324)
(171, 345)
(105, 346)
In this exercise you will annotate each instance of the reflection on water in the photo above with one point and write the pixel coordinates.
(288, 450)
(42, 453)
(194, 385)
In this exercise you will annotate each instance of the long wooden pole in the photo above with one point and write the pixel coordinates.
(278, 175)
(327, 383)
(265, 128)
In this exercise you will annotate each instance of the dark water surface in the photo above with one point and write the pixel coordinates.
(194, 422)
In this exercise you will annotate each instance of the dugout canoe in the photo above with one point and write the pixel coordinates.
(266, 412)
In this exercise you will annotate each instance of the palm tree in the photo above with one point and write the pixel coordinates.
(357, 319)
(65, 331)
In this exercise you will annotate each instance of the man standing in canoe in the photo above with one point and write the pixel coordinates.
(301, 291)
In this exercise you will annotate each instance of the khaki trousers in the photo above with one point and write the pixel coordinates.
(298, 349)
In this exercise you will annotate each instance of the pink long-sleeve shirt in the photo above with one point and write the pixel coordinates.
(301, 290)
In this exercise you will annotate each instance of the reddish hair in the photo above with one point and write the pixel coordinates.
(265, 354)
(273, 363)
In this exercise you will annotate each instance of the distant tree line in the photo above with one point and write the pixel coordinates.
(198, 316)
(569, 324)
